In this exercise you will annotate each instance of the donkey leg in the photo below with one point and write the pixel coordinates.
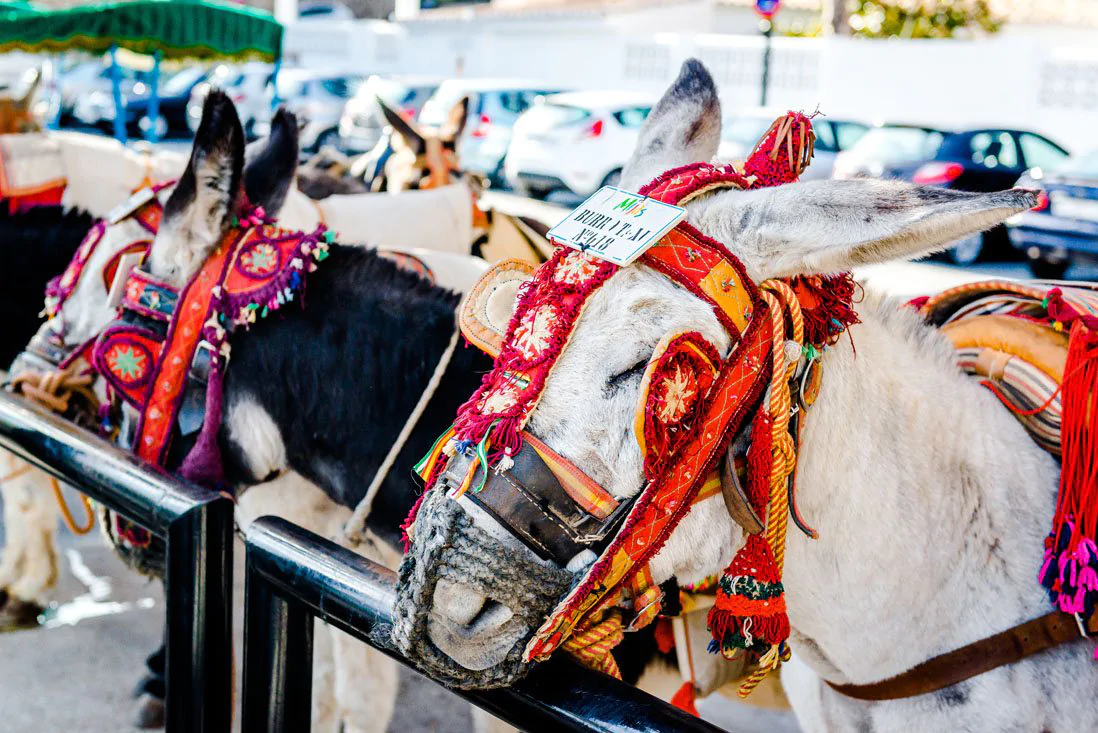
(366, 685)
(29, 567)
(150, 691)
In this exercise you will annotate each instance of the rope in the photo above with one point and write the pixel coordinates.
(70, 522)
(592, 643)
(354, 530)
(55, 391)
(781, 301)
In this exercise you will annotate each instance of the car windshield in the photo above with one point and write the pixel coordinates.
(744, 130)
(893, 145)
(1084, 166)
(544, 117)
(182, 81)
(441, 102)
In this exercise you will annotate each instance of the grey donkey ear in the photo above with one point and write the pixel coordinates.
(198, 212)
(271, 164)
(684, 127)
(403, 127)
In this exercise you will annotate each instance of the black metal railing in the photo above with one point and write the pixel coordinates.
(197, 525)
(293, 575)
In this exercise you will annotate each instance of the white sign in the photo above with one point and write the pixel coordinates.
(616, 225)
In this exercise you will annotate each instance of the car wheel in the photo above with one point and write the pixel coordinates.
(967, 251)
(613, 178)
(1042, 269)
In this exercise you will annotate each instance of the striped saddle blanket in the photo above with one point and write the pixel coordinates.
(1004, 335)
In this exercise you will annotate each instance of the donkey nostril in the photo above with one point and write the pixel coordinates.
(459, 603)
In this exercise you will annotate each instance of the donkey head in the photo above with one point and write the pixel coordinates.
(211, 190)
(422, 157)
(17, 113)
(86, 310)
(482, 612)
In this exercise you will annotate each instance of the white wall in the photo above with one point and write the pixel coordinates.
(1046, 82)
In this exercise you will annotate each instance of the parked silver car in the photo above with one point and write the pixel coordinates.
(318, 99)
(246, 85)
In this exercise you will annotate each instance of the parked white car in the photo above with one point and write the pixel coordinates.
(361, 125)
(740, 132)
(246, 85)
(494, 106)
(576, 141)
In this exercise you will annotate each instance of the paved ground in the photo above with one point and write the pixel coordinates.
(75, 673)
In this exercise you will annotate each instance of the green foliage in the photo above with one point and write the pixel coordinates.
(922, 18)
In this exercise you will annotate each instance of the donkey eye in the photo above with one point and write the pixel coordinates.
(622, 377)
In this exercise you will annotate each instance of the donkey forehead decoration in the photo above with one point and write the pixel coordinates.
(692, 402)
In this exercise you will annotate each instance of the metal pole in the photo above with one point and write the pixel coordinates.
(278, 659)
(154, 100)
(200, 621)
(768, 30)
(351, 593)
(275, 101)
(116, 92)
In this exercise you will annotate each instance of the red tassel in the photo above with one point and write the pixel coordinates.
(826, 305)
(759, 461)
(749, 612)
(685, 699)
(665, 636)
(1070, 569)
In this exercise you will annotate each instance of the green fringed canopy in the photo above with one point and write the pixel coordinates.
(178, 29)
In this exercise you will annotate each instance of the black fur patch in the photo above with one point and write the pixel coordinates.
(953, 696)
(269, 174)
(37, 245)
(340, 377)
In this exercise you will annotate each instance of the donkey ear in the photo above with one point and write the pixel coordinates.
(455, 121)
(684, 127)
(832, 226)
(271, 164)
(28, 97)
(402, 127)
(199, 210)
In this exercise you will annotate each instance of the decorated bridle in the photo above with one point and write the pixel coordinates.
(694, 403)
(165, 356)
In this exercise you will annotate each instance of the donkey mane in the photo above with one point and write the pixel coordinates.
(340, 376)
(37, 245)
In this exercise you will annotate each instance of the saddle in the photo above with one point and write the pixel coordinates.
(1007, 335)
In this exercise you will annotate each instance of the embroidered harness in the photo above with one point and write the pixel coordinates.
(165, 356)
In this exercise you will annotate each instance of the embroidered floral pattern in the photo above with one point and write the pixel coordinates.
(535, 331)
(575, 268)
(128, 362)
(677, 394)
(260, 260)
(500, 399)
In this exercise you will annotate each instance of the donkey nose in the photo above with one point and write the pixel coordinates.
(458, 603)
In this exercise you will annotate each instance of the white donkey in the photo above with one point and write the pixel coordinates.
(931, 500)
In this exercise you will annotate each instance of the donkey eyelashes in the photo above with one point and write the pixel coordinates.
(621, 378)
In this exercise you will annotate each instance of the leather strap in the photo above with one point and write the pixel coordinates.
(1000, 650)
(528, 499)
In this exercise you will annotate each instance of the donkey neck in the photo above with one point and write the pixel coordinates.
(930, 499)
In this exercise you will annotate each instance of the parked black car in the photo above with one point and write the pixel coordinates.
(1063, 228)
(987, 159)
(174, 93)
